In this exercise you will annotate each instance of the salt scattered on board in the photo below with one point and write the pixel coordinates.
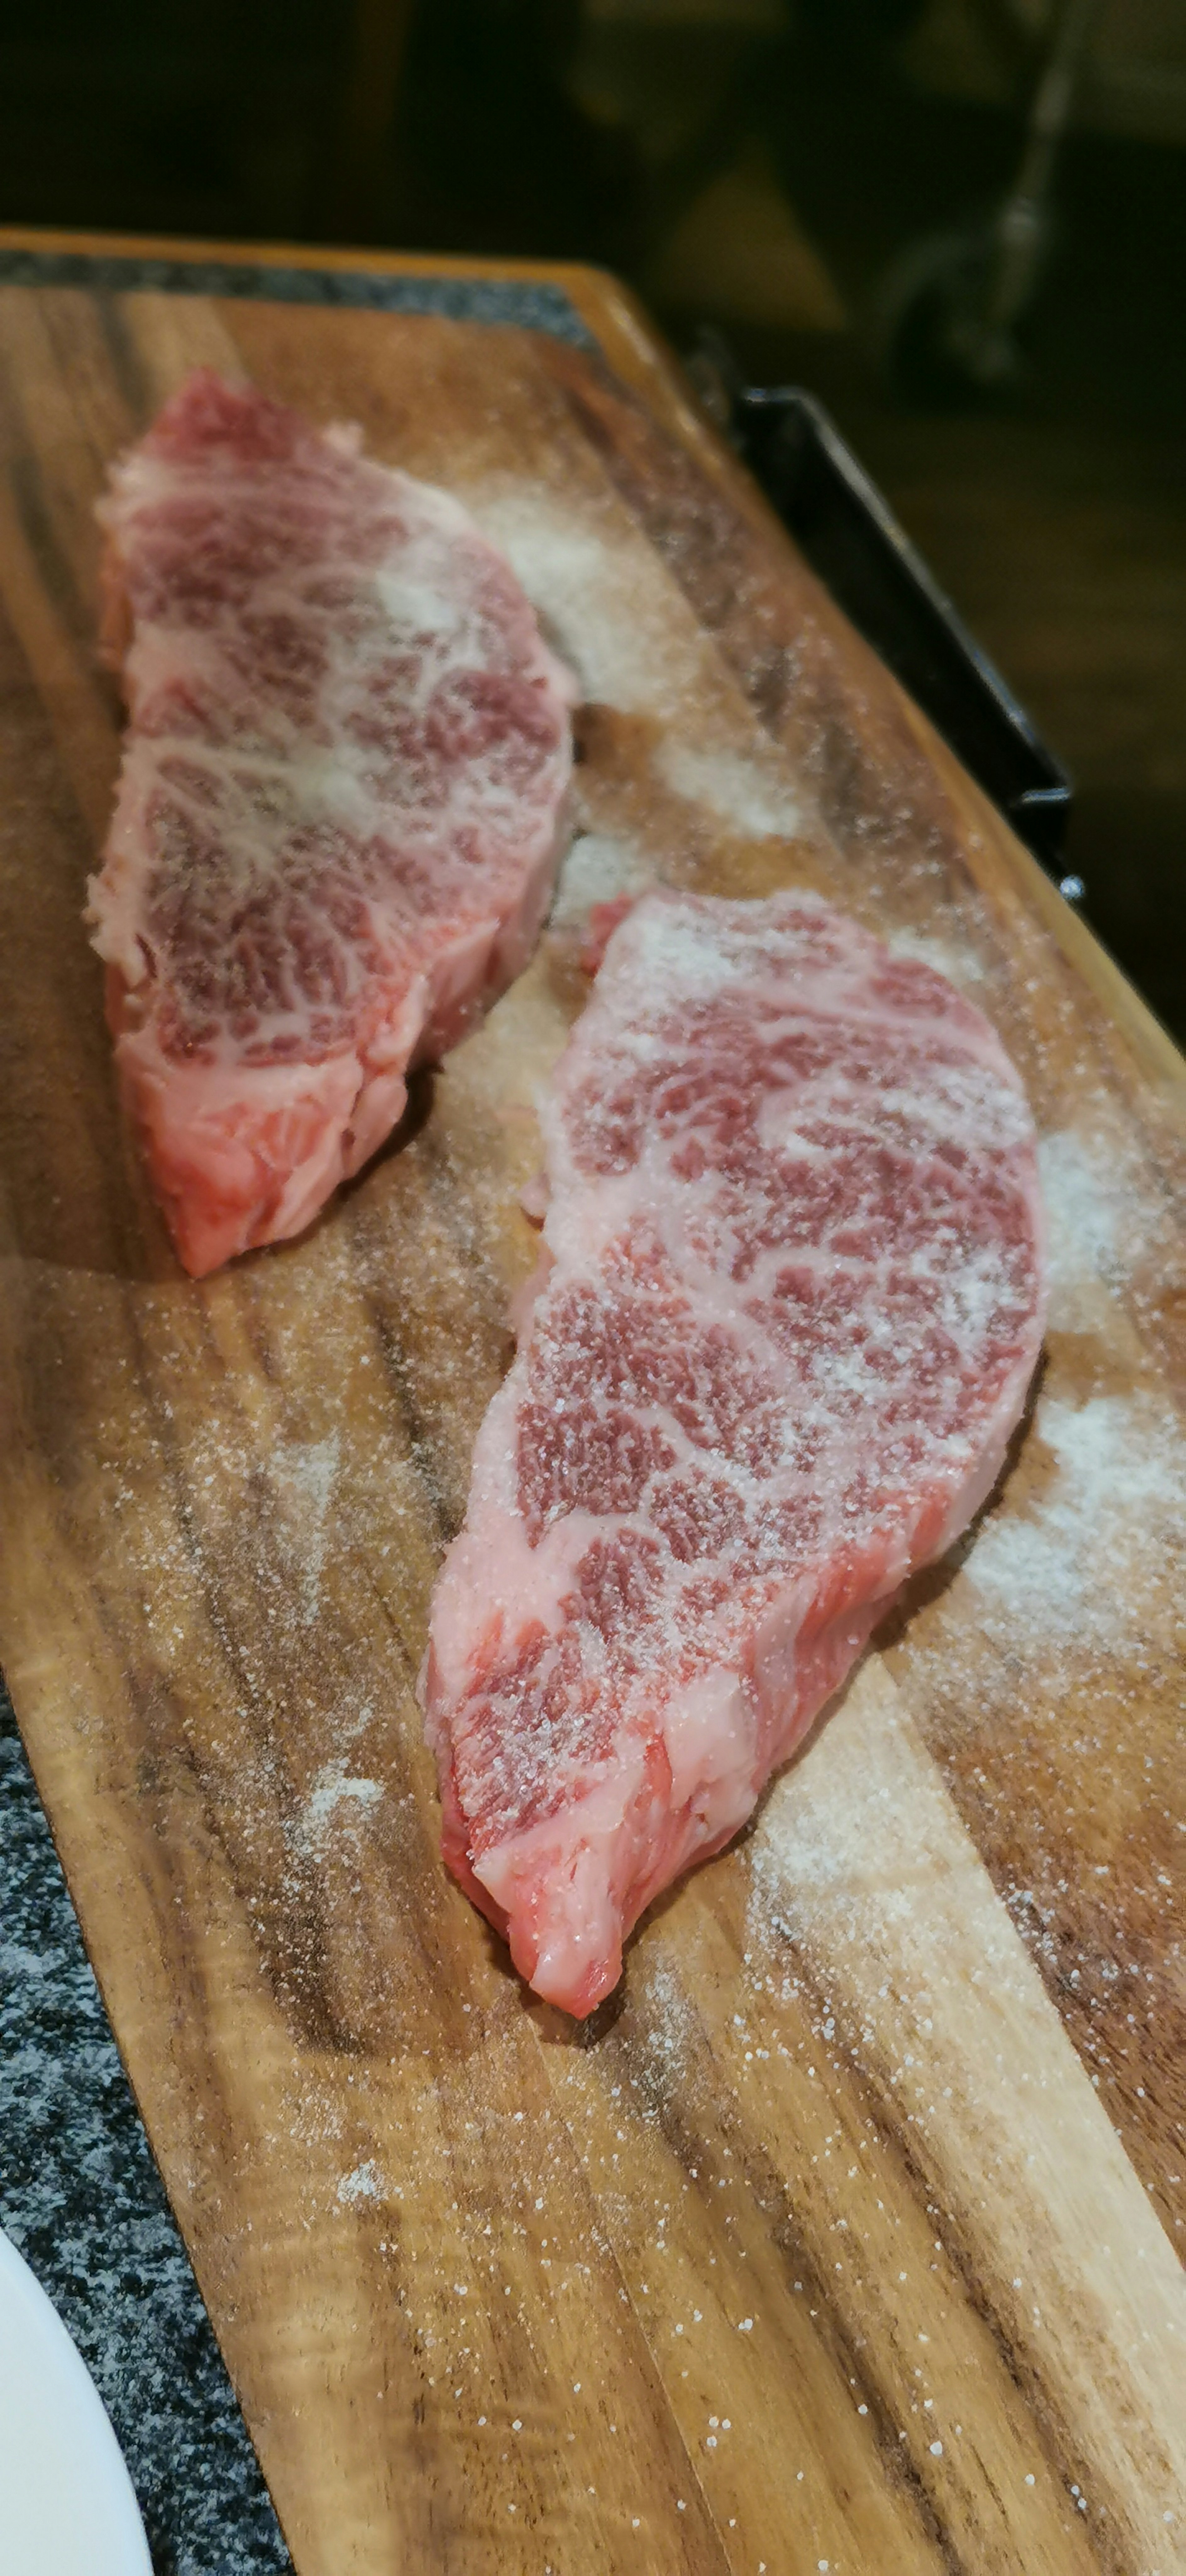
(614, 618)
(1091, 1561)
(740, 791)
(304, 1473)
(1103, 1215)
(597, 869)
(950, 957)
(364, 2183)
(337, 1796)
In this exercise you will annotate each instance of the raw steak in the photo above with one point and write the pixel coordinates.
(340, 807)
(790, 1301)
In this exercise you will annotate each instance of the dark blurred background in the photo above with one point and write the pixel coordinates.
(809, 175)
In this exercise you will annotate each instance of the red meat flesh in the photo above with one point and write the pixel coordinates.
(790, 1301)
(340, 808)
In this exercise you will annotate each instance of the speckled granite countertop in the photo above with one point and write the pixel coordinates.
(81, 2198)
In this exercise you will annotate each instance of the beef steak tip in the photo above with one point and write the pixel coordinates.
(790, 1301)
(340, 808)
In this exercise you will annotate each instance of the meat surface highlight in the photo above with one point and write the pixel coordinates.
(790, 1300)
(340, 809)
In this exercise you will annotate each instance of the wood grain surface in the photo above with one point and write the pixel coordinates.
(843, 2238)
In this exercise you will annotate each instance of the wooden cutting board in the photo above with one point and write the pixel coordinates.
(843, 2238)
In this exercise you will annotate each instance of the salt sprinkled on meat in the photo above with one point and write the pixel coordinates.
(339, 811)
(789, 1304)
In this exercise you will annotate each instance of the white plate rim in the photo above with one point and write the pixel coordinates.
(66, 2377)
